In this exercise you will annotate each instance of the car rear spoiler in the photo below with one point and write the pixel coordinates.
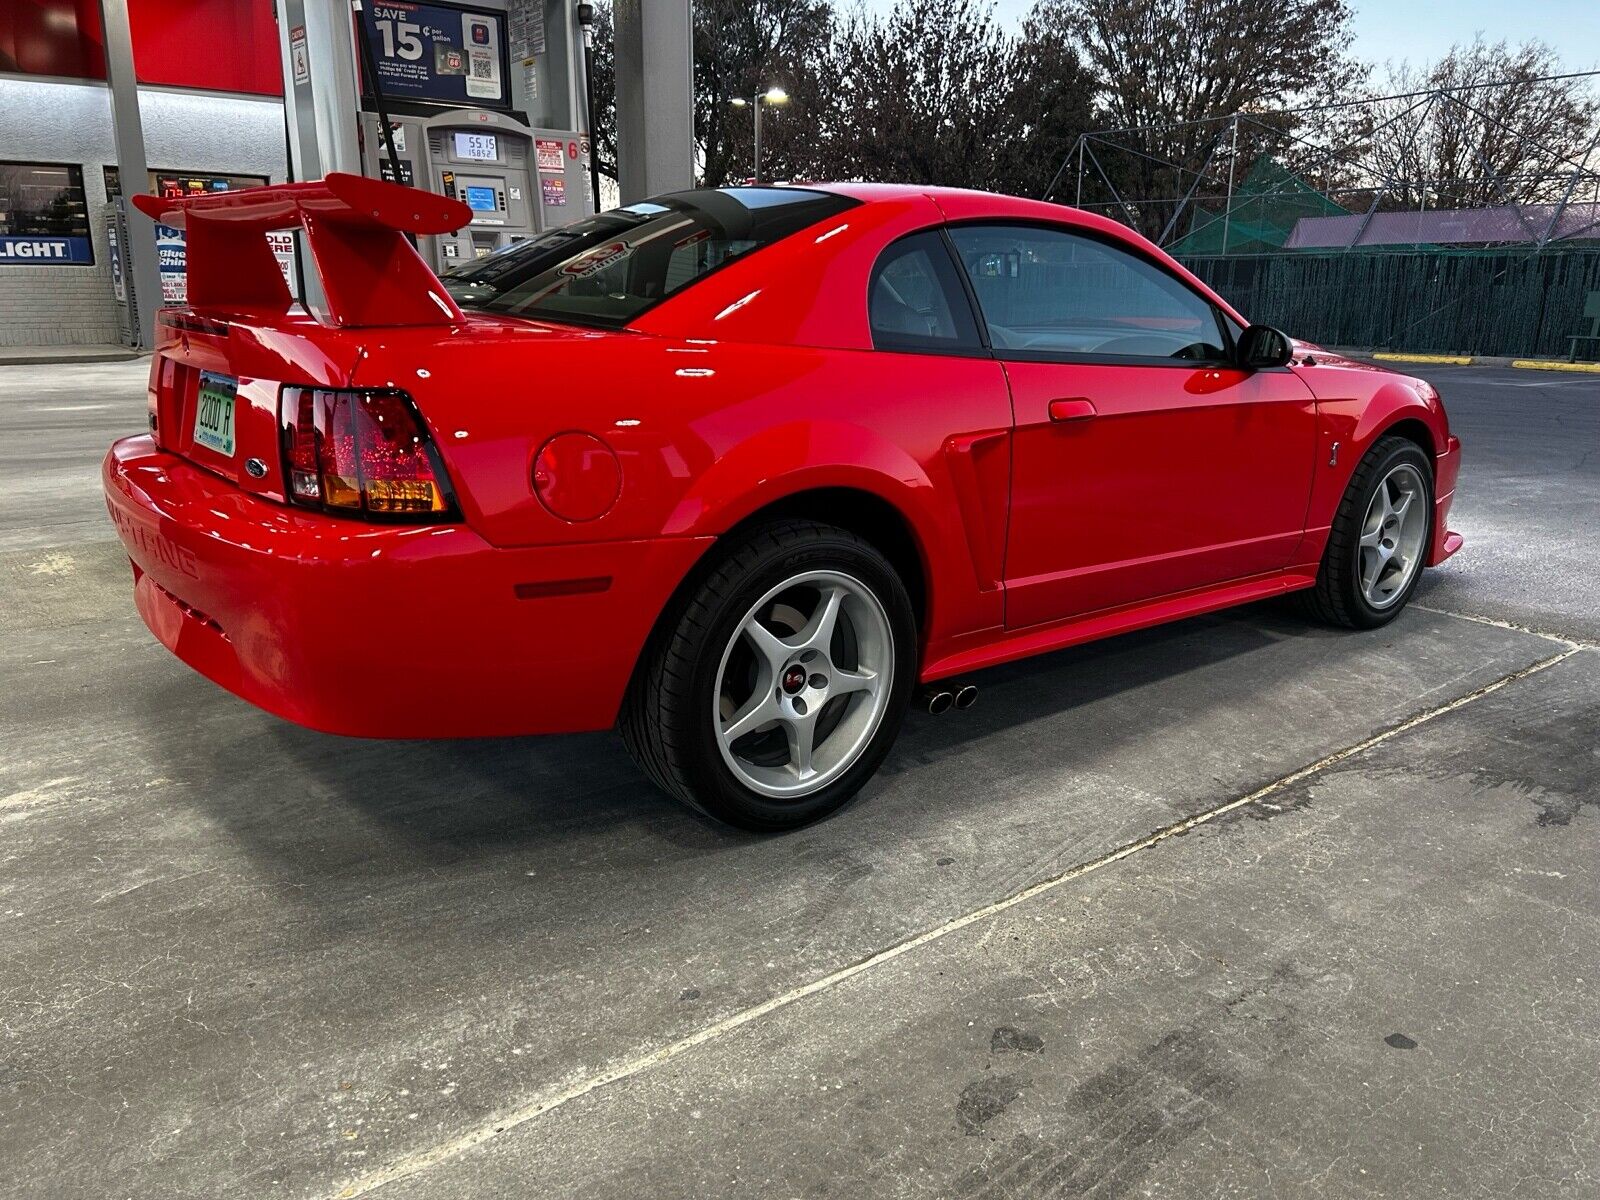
(371, 273)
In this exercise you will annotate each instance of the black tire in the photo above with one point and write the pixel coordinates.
(664, 718)
(1337, 598)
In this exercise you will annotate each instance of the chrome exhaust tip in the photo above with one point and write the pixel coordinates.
(940, 702)
(966, 697)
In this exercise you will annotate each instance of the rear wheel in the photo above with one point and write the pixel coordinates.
(782, 682)
(1380, 537)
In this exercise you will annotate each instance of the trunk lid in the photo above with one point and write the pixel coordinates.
(210, 376)
(221, 363)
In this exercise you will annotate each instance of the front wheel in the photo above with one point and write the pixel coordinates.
(782, 682)
(1380, 538)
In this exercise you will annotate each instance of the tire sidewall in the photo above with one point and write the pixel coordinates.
(718, 789)
(1365, 613)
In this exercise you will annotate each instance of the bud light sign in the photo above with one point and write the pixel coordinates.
(44, 250)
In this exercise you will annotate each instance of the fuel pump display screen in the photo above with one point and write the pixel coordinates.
(480, 199)
(479, 147)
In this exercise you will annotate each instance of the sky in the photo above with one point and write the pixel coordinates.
(1411, 29)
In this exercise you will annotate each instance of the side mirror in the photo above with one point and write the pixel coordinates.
(1262, 346)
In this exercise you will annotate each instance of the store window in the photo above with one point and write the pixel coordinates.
(44, 220)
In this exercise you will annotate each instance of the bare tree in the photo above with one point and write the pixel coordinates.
(1050, 100)
(934, 91)
(739, 48)
(1485, 125)
(603, 138)
(1172, 66)
(742, 47)
(916, 94)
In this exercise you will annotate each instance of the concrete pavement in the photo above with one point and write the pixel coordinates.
(242, 958)
(1294, 1000)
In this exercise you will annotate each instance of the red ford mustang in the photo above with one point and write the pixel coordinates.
(739, 471)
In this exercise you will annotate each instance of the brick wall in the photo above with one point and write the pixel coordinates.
(59, 122)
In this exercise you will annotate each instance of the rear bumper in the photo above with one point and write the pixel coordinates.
(1445, 469)
(383, 630)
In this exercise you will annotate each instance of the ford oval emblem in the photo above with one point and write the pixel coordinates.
(255, 468)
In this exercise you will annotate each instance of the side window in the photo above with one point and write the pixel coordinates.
(916, 302)
(1046, 291)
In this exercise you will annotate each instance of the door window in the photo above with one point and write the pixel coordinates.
(916, 302)
(1051, 294)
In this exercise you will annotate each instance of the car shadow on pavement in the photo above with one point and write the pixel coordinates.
(301, 797)
(1035, 690)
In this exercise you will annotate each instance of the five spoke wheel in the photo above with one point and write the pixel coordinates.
(803, 683)
(1392, 534)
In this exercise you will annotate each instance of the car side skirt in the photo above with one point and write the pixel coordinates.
(1041, 639)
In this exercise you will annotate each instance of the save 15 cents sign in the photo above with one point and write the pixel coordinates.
(438, 53)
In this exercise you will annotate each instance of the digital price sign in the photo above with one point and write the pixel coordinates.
(478, 147)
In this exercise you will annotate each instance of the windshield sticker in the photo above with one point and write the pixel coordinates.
(597, 259)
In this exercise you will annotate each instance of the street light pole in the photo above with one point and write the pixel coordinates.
(758, 140)
(773, 95)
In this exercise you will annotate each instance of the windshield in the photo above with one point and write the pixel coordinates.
(608, 269)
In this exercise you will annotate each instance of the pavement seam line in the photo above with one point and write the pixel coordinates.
(416, 1163)
(1497, 623)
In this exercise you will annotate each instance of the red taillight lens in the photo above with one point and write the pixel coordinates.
(361, 452)
(300, 438)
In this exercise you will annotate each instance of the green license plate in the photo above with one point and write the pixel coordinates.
(213, 415)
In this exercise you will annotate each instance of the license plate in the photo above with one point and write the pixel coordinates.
(213, 415)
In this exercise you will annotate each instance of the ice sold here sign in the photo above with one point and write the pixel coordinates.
(438, 53)
(172, 260)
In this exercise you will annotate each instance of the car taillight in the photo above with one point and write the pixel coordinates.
(361, 452)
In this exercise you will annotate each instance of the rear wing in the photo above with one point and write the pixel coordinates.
(371, 273)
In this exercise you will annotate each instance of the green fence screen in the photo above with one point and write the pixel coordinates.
(1515, 301)
(1264, 210)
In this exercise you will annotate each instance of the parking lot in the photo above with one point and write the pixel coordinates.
(1239, 906)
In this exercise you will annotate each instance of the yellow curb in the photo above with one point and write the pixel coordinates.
(1536, 364)
(1460, 360)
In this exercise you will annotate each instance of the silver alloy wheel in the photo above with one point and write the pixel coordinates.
(1391, 549)
(803, 684)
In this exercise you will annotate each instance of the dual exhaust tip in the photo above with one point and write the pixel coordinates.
(937, 700)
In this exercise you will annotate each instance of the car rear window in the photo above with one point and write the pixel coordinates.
(609, 269)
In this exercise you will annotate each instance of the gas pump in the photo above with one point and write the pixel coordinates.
(517, 181)
(453, 85)
(484, 163)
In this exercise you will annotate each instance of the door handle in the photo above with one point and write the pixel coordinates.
(1072, 408)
